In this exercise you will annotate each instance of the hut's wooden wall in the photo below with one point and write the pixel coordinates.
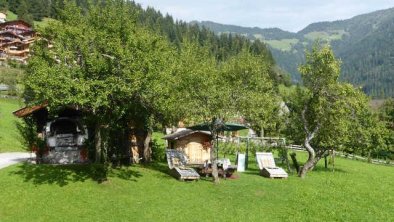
(193, 147)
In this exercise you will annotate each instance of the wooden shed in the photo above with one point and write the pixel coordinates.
(195, 144)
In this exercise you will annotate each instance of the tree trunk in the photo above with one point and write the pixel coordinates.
(215, 173)
(312, 159)
(98, 143)
(147, 148)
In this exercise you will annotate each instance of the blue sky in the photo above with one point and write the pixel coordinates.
(290, 15)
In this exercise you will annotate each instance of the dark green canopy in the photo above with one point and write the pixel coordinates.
(219, 127)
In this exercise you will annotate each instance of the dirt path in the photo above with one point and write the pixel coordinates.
(7, 159)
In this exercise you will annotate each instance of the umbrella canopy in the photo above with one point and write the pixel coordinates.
(219, 127)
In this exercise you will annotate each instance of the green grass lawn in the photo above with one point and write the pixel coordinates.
(9, 135)
(356, 191)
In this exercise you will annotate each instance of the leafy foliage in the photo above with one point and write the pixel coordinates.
(123, 75)
(329, 114)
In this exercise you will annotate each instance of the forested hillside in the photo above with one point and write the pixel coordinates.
(221, 46)
(364, 44)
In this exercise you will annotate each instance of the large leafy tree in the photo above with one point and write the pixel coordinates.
(102, 62)
(386, 115)
(328, 111)
(250, 89)
(213, 93)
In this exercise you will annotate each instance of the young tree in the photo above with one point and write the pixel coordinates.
(328, 110)
(212, 93)
(200, 91)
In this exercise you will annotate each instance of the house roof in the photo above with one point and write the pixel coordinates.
(28, 110)
(183, 133)
(4, 24)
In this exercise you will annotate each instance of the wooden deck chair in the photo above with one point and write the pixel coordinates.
(267, 166)
(177, 162)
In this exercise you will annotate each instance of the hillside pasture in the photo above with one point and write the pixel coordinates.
(326, 36)
(283, 44)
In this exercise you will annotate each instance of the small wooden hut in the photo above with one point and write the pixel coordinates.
(195, 144)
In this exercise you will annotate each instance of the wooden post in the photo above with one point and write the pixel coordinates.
(325, 162)
(333, 160)
(295, 163)
(217, 145)
(247, 154)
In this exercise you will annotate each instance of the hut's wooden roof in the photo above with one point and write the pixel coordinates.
(28, 110)
(183, 133)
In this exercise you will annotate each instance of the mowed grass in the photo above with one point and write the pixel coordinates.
(356, 191)
(10, 140)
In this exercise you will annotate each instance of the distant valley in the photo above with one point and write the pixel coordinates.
(364, 43)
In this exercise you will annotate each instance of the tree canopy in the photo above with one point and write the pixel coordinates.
(327, 113)
(125, 74)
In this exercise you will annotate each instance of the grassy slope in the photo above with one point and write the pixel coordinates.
(357, 191)
(11, 16)
(327, 36)
(42, 24)
(283, 44)
(9, 137)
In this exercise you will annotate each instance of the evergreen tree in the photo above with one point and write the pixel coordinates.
(3, 5)
(23, 12)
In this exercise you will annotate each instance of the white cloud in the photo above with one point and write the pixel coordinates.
(291, 15)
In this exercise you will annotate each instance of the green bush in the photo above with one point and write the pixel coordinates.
(158, 151)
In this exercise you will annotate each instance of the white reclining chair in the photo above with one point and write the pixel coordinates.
(267, 166)
(177, 162)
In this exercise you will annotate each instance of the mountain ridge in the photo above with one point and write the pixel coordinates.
(363, 42)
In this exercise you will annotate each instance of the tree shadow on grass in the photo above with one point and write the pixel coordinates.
(252, 171)
(321, 169)
(318, 169)
(160, 167)
(62, 175)
(125, 173)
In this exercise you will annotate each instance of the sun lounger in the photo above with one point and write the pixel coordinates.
(177, 162)
(267, 166)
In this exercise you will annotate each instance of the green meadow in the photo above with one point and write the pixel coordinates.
(355, 191)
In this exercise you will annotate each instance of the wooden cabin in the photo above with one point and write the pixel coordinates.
(196, 145)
